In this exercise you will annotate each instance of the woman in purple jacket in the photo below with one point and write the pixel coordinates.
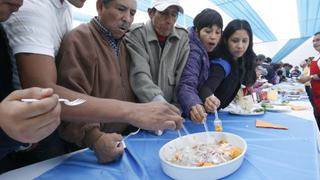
(203, 38)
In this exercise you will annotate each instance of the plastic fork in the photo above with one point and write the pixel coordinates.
(65, 101)
(204, 122)
(130, 134)
(218, 127)
(183, 128)
(217, 122)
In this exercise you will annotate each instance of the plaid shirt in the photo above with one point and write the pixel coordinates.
(107, 35)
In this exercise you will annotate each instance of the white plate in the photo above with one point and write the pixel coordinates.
(245, 114)
(276, 108)
(294, 96)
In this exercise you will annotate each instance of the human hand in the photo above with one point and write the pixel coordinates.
(156, 116)
(30, 122)
(266, 85)
(314, 77)
(198, 113)
(107, 148)
(212, 103)
(304, 79)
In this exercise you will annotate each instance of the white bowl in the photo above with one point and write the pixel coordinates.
(209, 172)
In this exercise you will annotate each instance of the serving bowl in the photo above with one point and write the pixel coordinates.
(218, 171)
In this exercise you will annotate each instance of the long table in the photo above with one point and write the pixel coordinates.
(271, 154)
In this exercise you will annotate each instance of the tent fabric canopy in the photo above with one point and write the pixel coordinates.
(309, 17)
(290, 46)
(287, 25)
(241, 9)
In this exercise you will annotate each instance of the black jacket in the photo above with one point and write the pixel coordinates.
(7, 144)
(224, 88)
(5, 66)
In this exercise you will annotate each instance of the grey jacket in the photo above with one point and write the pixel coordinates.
(155, 72)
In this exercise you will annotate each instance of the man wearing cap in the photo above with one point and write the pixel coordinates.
(159, 51)
(35, 44)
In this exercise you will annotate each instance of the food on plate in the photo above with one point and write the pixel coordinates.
(246, 103)
(188, 157)
(272, 95)
(234, 152)
(294, 96)
(256, 110)
(218, 127)
(285, 102)
(204, 164)
(296, 91)
(267, 105)
(259, 110)
(253, 112)
(291, 91)
(208, 154)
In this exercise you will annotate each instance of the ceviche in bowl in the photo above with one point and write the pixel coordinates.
(205, 155)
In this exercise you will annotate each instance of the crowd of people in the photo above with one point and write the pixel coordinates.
(144, 75)
(276, 73)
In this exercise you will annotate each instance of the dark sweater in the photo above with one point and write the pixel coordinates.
(7, 144)
(224, 88)
(5, 66)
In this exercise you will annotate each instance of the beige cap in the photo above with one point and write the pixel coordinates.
(162, 5)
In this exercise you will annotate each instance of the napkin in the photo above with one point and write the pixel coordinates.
(263, 124)
(298, 108)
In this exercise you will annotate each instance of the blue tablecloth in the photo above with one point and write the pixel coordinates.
(272, 154)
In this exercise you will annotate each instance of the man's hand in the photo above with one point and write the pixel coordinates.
(212, 103)
(198, 113)
(107, 148)
(155, 116)
(30, 122)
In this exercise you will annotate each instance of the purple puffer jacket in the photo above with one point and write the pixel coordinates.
(194, 74)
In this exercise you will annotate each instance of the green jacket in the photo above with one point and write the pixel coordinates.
(153, 71)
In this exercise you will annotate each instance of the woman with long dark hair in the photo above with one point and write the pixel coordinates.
(233, 66)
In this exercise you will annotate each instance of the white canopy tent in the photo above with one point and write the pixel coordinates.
(302, 52)
(274, 22)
